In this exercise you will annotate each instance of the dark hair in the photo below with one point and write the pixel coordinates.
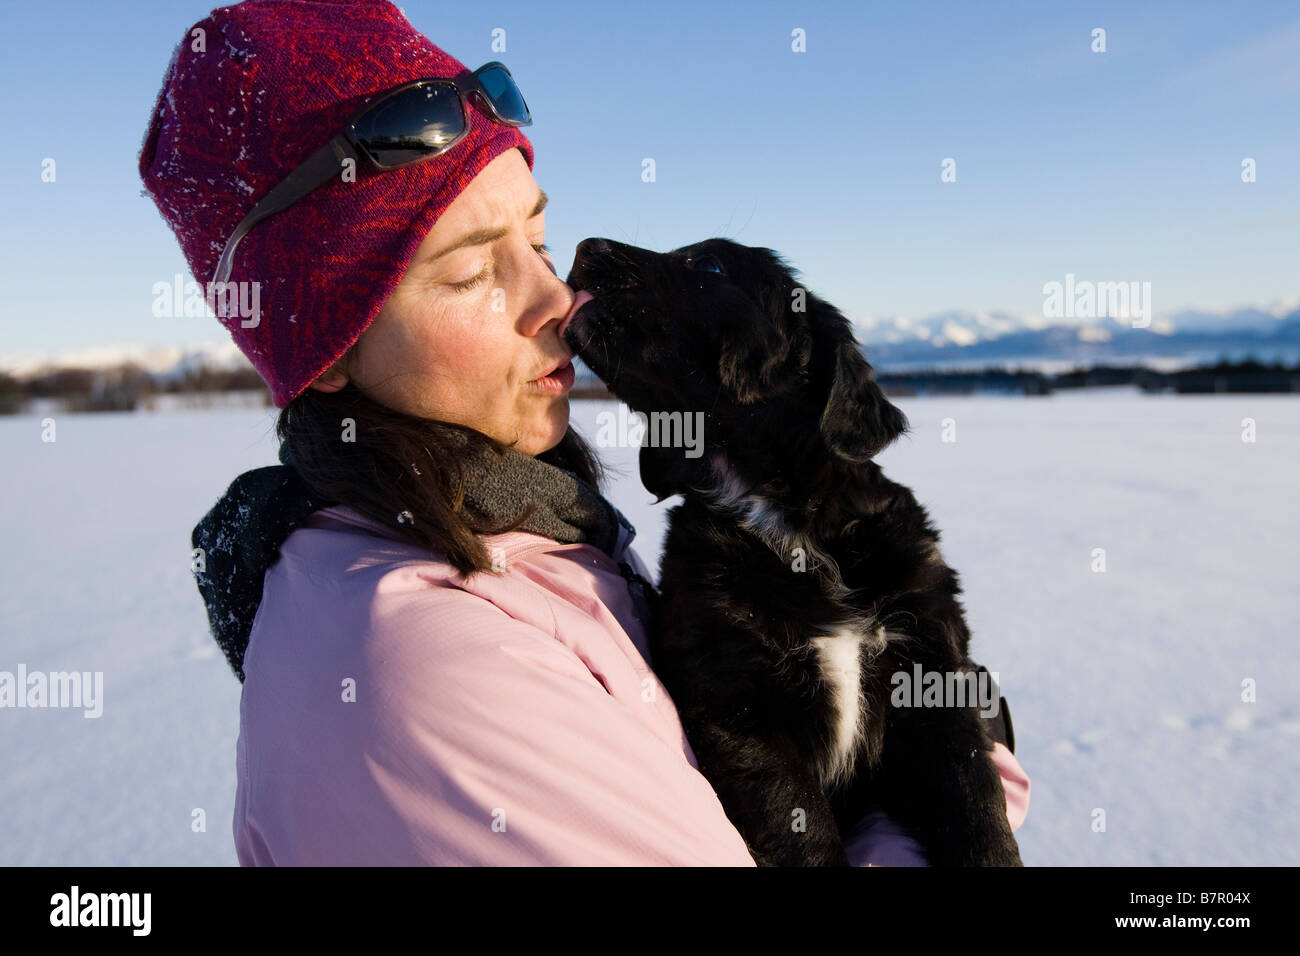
(404, 471)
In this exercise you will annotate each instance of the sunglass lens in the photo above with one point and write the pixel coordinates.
(506, 98)
(411, 125)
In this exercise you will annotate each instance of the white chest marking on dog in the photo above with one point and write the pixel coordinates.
(841, 666)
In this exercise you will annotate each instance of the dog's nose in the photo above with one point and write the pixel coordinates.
(587, 261)
(592, 247)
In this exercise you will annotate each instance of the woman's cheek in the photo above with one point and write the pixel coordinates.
(468, 346)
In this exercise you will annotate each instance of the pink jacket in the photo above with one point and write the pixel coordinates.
(394, 714)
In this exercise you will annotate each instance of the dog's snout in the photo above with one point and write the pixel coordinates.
(603, 265)
(589, 260)
(593, 247)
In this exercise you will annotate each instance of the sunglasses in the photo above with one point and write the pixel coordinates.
(406, 125)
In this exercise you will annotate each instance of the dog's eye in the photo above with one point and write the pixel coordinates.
(705, 264)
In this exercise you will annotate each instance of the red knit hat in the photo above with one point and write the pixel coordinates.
(266, 84)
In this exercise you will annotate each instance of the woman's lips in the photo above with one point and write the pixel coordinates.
(558, 382)
(561, 379)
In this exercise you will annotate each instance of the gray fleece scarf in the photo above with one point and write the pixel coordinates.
(240, 537)
(567, 510)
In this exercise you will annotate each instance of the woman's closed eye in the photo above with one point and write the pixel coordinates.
(541, 248)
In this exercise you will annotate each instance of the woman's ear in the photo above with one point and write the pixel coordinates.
(334, 377)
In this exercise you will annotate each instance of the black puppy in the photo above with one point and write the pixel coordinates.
(799, 588)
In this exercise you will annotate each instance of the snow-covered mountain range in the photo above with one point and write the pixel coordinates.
(948, 340)
(162, 361)
(979, 339)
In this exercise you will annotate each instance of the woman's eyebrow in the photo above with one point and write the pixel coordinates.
(483, 236)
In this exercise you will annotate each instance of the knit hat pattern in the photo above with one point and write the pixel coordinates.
(252, 90)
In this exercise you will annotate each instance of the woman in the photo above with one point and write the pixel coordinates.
(438, 620)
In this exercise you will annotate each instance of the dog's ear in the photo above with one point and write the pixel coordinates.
(747, 364)
(858, 421)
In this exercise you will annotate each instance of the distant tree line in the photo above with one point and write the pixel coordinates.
(119, 388)
(1248, 375)
(125, 387)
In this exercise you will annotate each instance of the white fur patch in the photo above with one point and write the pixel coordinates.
(839, 654)
(759, 515)
(841, 667)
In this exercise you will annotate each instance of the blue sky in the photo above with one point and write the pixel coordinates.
(1123, 165)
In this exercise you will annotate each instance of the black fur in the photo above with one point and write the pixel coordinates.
(793, 412)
